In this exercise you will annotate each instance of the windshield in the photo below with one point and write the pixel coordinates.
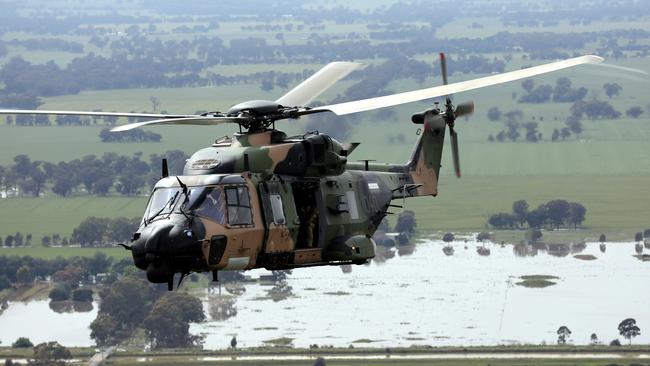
(162, 202)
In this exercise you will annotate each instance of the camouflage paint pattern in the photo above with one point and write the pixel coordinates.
(299, 188)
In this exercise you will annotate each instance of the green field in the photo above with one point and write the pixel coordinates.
(46, 216)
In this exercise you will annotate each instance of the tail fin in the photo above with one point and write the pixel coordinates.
(424, 164)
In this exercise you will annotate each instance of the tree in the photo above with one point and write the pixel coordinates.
(448, 238)
(558, 212)
(563, 333)
(168, 323)
(155, 103)
(18, 239)
(556, 134)
(612, 89)
(634, 112)
(22, 342)
(494, 114)
(615, 343)
(528, 85)
(50, 354)
(233, 342)
(71, 275)
(25, 275)
(4, 282)
(520, 210)
(565, 133)
(502, 220)
(99, 263)
(628, 329)
(574, 124)
(483, 236)
(593, 339)
(123, 307)
(577, 214)
(267, 85)
(532, 135)
(406, 222)
(594, 109)
(91, 231)
(61, 292)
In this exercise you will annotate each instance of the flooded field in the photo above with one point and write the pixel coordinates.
(428, 298)
(37, 321)
(417, 297)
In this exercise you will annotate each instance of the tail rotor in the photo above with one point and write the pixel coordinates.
(451, 114)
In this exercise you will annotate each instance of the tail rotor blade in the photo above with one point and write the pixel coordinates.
(464, 109)
(443, 68)
(454, 150)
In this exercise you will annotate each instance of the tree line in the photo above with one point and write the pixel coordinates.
(552, 214)
(110, 173)
(135, 135)
(91, 232)
(18, 271)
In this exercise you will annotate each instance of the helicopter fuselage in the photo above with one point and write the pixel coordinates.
(267, 201)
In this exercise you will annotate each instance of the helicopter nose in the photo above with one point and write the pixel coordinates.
(164, 248)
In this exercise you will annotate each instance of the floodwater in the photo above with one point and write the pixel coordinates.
(425, 298)
(36, 321)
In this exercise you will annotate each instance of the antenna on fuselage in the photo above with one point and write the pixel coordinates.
(165, 169)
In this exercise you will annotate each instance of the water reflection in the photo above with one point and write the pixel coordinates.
(221, 307)
(71, 306)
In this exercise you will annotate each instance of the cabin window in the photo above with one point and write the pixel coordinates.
(239, 206)
(352, 205)
(278, 211)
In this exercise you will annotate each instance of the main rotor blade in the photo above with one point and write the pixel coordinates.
(316, 84)
(199, 121)
(97, 114)
(422, 94)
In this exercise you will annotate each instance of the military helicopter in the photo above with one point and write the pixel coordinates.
(262, 199)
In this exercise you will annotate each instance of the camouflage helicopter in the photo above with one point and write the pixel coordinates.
(262, 199)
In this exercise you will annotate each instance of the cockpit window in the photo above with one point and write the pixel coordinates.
(239, 206)
(207, 202)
